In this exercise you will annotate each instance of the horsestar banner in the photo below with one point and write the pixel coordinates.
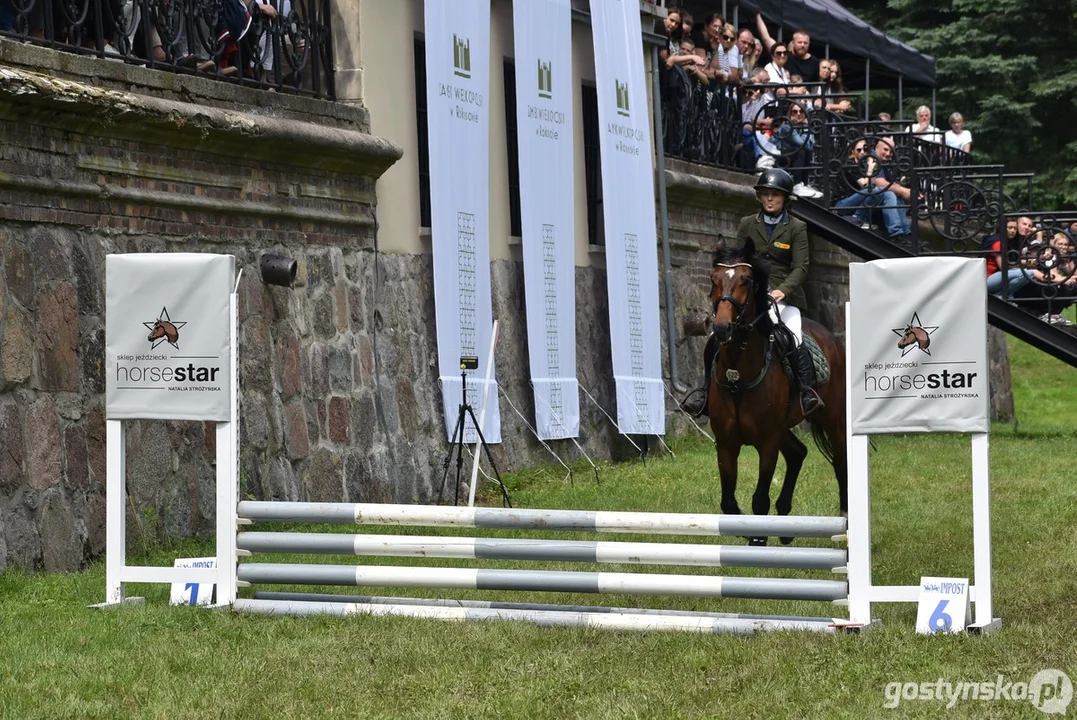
(543, 36)
(628, 199)
(918, 350)
(458, 123)
(167, 336)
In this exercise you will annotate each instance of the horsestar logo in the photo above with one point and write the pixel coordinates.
(164, 329)
(906, 378)
(461, 56)
(915, 335)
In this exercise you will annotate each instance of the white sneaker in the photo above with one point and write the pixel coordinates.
(806, 191)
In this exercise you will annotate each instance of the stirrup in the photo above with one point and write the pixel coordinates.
(690, 405)
(810, 402)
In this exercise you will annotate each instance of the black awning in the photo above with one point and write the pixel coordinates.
(829, 23)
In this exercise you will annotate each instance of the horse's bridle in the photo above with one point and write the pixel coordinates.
(741, 324)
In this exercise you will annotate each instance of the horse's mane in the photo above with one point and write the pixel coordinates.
(731, 253)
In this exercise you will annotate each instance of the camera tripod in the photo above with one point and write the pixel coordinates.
(456, 446)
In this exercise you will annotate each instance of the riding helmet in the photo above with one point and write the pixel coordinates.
(775, 179)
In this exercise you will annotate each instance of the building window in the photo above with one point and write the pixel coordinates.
(513, 137)
(592, 167)
(424, 140)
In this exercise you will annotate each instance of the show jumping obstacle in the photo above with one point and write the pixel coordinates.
(858, 593)
(592, 551)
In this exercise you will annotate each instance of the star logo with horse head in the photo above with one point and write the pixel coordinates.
(915, 335)
(164, 329)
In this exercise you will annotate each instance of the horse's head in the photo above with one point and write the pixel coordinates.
(738, 291)
(157, 331)
(913, 335)
(163, 329)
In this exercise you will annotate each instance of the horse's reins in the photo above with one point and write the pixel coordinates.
(733, 375)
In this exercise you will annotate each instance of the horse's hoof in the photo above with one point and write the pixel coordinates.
(757, 541)
(786, 540)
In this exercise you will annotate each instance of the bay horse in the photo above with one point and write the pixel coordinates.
(751, 401)
(164, 329)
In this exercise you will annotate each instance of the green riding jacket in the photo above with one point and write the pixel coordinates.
(786, 251)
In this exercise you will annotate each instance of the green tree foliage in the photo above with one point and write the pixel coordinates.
(1010, 68)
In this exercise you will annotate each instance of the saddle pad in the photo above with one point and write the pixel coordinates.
(818, 359)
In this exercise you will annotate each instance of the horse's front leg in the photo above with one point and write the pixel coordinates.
(728, 453)
(794, 453)
(768, 460)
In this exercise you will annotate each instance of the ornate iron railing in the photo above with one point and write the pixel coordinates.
(285, 45)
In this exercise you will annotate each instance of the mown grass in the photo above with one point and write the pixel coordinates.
(60, 659)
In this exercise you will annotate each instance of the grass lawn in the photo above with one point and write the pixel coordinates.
(60, 659)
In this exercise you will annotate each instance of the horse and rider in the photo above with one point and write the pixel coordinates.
(783, 241)
(751, 399)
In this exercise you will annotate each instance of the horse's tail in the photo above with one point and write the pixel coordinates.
(822, 440)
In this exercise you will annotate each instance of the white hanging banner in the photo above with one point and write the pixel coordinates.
(629, 214)
(920, 359)
(543, 34)
(167, 337)
(458, 126)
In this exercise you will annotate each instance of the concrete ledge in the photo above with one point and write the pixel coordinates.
(180, 201)
(180, 85)
(76, 106)
(698, 190)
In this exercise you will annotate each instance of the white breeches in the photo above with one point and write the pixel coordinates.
(790, 316)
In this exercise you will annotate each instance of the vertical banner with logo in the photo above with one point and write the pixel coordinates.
(628, 196)
(167, 336)
(918, 356)
(458, 126)
(543, 33)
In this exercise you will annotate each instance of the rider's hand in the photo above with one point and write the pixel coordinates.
(778, 295)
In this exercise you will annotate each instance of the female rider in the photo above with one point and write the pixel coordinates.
(783, 240)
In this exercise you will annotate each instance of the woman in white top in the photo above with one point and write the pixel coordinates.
(923, 127)
(776, 67)
(956, 136)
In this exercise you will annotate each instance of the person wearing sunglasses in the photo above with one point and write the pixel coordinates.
(779, 55)
(800, 62)
(724, 60)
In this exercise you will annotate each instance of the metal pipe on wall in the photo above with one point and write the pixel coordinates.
(663, 213)
(867, 89)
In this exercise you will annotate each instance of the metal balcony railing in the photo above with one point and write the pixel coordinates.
(284, 45)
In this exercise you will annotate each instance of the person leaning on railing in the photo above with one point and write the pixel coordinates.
(834, 88)
(1016, 277)
(750, 51)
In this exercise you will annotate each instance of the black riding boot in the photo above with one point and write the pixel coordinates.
(809, 399)
(695, 402)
